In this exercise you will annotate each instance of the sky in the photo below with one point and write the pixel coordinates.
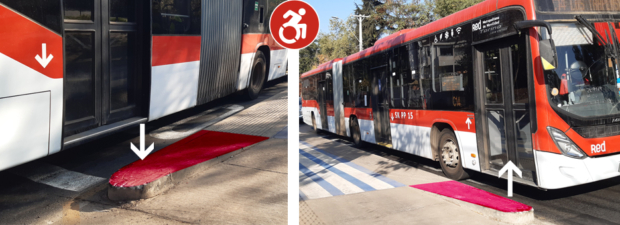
(328, 8)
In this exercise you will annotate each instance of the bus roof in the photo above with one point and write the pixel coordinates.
(321, 68)
(477, 10)
(392, 36)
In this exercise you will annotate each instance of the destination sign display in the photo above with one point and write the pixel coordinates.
(452, 83)
(496, 26)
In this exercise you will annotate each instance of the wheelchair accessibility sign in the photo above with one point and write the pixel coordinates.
(294, 24)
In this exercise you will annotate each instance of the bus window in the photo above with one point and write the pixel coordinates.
(122, 11)
(176, 17)
(444, 77)
(425, 76)
(492, 77)
(519, 73)
(79, 10)
(363, 84)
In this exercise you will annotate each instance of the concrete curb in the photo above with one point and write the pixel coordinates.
(167, 132)
(504, 217)
(167, 182)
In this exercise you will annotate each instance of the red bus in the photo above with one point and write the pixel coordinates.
(75, 70)
(534, 82)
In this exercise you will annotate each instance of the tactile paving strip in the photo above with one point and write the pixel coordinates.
(263, 119)
(307, 216)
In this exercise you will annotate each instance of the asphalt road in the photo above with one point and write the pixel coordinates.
(594, 203)
(24, 201)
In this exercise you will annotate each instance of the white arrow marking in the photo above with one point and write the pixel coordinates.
(45, 60)
(468, 122)
(510, 167)
(141, 152)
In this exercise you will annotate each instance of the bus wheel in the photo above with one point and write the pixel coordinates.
(257, 78)
(356, 134)
(450, 156)
(316, 130)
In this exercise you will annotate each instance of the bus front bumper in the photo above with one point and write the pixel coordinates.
(559, 171)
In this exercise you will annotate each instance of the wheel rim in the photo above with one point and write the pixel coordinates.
(450, 154)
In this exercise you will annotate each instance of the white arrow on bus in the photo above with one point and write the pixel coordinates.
(468, 122)
(510, 167)
(45, 60)
(142, 153)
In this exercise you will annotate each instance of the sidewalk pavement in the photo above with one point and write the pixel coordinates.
(250, 187)
(396, 205)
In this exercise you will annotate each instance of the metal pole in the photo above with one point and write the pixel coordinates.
(360, 18)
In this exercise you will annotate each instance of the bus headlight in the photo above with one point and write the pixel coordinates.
(565, 145)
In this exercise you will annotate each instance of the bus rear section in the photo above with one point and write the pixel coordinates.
(475, 92)
(75, 71)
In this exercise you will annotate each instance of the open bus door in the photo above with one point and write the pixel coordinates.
(503, 106)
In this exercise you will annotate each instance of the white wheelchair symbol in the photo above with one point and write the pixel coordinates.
(300, 29)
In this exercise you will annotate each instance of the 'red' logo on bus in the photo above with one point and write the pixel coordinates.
(294, 24)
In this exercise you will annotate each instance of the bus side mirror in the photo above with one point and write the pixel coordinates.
(548, 54)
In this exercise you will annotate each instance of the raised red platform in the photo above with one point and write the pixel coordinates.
(463, 192)
(195, 149)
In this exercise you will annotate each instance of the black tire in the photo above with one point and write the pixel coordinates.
(450, 156)
(356, 135)
(314, 124)
(257, 77)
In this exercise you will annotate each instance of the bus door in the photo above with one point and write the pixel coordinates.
(322, 86)
(504, 113)
(380, 106)
(103, 62)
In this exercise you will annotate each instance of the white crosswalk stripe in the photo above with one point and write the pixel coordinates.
(364, 177)
(324, 175)
(312, 188)
(345, 186)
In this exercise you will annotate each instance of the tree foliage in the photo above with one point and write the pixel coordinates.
(396, 15)
(308, 57)
(371, 30)
(444, 8)
(341, 40)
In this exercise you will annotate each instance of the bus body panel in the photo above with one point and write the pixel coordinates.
(309, 107)
(253, 42)
(24, 128)
(31, 91)
(559, 171)
(175, 74)
(414, 136)
(169, 65)
(277, 67)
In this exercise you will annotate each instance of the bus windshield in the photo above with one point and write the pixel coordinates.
(584, 83)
